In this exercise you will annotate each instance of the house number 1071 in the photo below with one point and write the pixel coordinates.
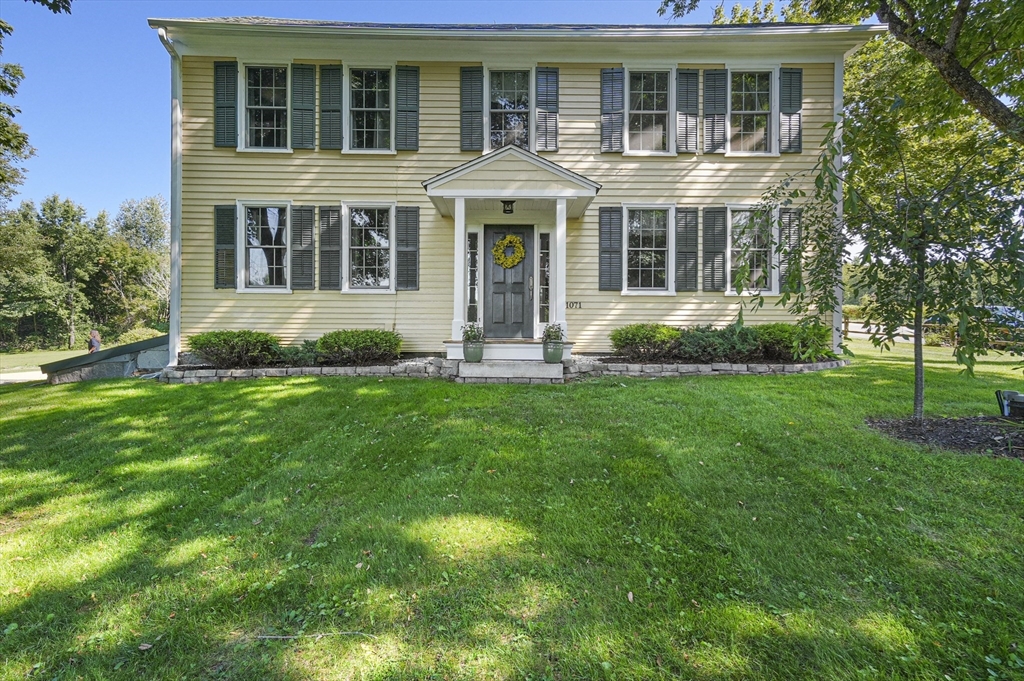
(573, 305)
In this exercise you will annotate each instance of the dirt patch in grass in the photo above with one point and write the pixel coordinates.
(981, 434)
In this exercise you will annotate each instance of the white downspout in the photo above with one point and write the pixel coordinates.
(174, 333)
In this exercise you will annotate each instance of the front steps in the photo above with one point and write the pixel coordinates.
(509, 371)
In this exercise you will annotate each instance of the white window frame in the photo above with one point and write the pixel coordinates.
(241, 285)
(670, 259)
(774, 118)
(346, 240)
(773, 290)
(512, 66)
(479, 231)
(243, 119)
(670, 123)
(346, 103)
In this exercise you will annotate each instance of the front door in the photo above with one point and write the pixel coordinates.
(508, 306)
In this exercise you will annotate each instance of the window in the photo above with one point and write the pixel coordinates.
(510, 109)
(266, 247)
(266, 107)
(369, 248)
(370, 108)
(647, 249)
(472, 278)
(751, 108)
(648, 110)
(544, 288)
(750, 254)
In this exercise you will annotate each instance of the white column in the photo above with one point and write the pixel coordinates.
(460, 269)
(837, 116)
(558, 299)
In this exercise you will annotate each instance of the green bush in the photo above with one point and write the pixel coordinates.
(777, 341)
(644, 342)
(359, 346)
(706, 344)
(934, 340)
(135, 335)
(855, 312)
(302, 355)
(235, 349)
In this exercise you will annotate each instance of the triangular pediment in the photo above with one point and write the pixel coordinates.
(511, 172)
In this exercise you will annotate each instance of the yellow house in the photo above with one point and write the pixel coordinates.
(330, 175)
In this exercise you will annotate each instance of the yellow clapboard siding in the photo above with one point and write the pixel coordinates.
(214, 176)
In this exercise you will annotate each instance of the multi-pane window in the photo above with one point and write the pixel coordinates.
(473, 277)
(370, 107)
(544, 289)
(510, 109)
(370, 248)
(266, 106)
(647, 249)
(751, 110)
(750, 251)
(266, 247)
(648, 111)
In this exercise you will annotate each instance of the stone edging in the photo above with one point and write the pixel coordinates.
(448, 369)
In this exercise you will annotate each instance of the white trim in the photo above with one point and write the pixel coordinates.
(516, 193)
(459, 294)
(670, 116)
(346, 111)
(773, 272)
(243, 119)
(774, 117)
(510, 66)
(837, 117)
(557, 292)
(434, 184)
(670, 256)
(479, 231)
(241, 286)
(174, 304)
(346, 238)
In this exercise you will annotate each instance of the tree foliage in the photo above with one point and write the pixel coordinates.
(975, 48)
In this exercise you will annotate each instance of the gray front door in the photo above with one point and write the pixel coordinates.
(508, 306)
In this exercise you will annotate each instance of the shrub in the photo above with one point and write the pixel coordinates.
(813, 342)
(359, 346)
(135, 335)
(235, 349)
(706, 344)
(777, 341)
(302, 355)
(934, 340)
(644, 342)
(855, 312)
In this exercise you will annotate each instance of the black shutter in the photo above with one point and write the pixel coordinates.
(686, 249)
(407, 108)
(224, 229)
(303, 251)
(330, 248)
(715, 243)
(472, 108)
(716, 106)
(791, 101)
(303, 106)
(225, 104)
(790, 236)
(610, 258)
(687, 109)
(613, 97)
(330, 107)
(547, 108)
(407, 248)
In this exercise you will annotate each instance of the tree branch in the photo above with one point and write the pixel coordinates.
(956, 25)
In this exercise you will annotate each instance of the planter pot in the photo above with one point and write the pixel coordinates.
(473, 351)
(553, 351)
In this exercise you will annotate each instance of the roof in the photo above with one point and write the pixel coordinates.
(83, 360)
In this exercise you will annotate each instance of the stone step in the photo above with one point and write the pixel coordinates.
(510, 369)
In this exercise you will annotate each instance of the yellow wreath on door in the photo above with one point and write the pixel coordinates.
(518, 251)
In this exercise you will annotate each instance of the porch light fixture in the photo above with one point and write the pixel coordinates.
(507, 207)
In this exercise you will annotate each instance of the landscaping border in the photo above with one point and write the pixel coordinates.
(448, 369)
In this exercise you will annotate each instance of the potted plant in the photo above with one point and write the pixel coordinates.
(473, 342)
(554, 343)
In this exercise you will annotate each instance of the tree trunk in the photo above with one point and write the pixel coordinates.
(919, 335)
(71, 320)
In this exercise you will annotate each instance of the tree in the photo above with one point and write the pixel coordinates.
(975, 49)
(26, 287)
(14, 146)
(144, 223)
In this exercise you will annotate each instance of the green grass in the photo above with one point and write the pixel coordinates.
(30, 361)
(498, 531)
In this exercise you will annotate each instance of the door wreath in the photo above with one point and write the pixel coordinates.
(518, 251)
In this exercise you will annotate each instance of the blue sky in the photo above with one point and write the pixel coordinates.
(96, 96)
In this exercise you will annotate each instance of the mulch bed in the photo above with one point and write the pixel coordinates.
(981, 434)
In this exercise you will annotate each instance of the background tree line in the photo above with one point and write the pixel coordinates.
(62, 273)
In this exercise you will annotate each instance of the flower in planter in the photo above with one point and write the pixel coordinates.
(472, 332)
(553, 333)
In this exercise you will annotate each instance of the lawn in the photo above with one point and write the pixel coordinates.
(744, 527)
(11, 362)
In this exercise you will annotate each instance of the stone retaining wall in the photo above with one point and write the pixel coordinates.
(448, 369)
